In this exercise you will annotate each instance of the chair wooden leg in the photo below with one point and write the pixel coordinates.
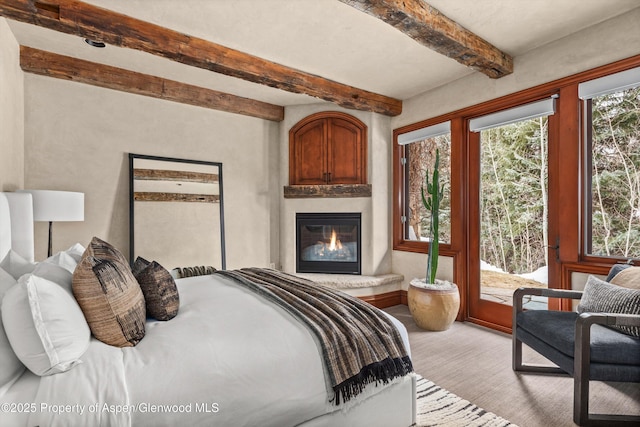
(519, 366)
(516, 352)
(580, 399)
(581, 372)
(516, 349)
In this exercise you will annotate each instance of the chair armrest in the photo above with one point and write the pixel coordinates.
(545, 292)
(582, 349)
(585, 320)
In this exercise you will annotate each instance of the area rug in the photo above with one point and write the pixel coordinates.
(439, 407)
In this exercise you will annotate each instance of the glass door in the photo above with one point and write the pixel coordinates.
(510, 243)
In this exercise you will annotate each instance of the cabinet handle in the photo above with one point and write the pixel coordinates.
(329, 177)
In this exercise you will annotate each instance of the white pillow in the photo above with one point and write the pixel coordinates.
(54, 273)
(59, 268)
(64, 260)
(10, 366)
(76, 252)
(45, 326)
(16, 265)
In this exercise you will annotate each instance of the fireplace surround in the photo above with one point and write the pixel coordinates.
(328, 243)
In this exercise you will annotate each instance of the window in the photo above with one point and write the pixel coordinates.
(514, 198)
(540, 184)
(419, 156)
(612, 165)
(513, 191)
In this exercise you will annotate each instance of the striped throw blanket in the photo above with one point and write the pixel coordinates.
(360, 345)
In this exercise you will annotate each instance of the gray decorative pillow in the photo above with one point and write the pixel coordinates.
(159, 289)
(109, 295)
(139, 265)
(602, 297)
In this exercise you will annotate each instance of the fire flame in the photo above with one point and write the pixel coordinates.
(335, 244)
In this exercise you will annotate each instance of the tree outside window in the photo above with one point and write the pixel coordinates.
(514, 202)
(420, 158)
(613, 148)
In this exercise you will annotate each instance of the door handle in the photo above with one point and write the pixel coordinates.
(556, 248)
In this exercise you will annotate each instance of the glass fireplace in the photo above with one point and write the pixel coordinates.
(328, 243)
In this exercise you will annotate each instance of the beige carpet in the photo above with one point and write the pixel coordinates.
(475, 363)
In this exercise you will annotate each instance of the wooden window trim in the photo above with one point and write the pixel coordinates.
(570, 132)
(457, 178)
(585, 237)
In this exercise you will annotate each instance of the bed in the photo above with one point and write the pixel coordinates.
(229, 358)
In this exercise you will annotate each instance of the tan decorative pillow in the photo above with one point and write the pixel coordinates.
(159, 289)
(627, 278)
(109, 295)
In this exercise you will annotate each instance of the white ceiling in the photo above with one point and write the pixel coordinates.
(329, 38)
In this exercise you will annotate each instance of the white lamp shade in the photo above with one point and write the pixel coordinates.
(54, 206)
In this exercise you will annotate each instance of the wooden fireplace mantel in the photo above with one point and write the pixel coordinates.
(327, 191)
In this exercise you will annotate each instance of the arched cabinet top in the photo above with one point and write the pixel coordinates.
(328, 148)
(323, 115)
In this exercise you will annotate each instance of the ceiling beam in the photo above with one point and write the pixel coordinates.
(429, 27)
(85, 20)
(78, 70)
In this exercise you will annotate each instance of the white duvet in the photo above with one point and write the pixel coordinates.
(229, 358)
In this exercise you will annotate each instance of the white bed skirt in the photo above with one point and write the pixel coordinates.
(394, 406)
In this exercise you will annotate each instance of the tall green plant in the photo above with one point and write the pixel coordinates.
(431, 201)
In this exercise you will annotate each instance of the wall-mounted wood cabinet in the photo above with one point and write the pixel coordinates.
(328, 148)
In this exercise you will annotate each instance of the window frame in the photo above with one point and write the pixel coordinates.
(586, 185)
(569, 130)
(400, 243)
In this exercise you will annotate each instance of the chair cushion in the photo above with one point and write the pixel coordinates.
(602, 297)
(557, 329)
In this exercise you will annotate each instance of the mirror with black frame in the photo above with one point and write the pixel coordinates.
(176, 212)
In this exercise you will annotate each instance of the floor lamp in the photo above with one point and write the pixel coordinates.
(53, 206)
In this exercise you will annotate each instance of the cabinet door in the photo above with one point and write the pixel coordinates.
(328, 148)
(309, 154)
(345, 154)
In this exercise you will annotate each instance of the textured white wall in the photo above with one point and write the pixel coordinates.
(78, 137)
(612, 40)
(11, 112)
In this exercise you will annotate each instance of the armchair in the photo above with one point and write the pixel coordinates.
(582, 345)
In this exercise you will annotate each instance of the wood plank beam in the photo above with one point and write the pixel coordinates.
(78, 70)
(429, 27)
(175, 197)
(173, 175)
(85, 20)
